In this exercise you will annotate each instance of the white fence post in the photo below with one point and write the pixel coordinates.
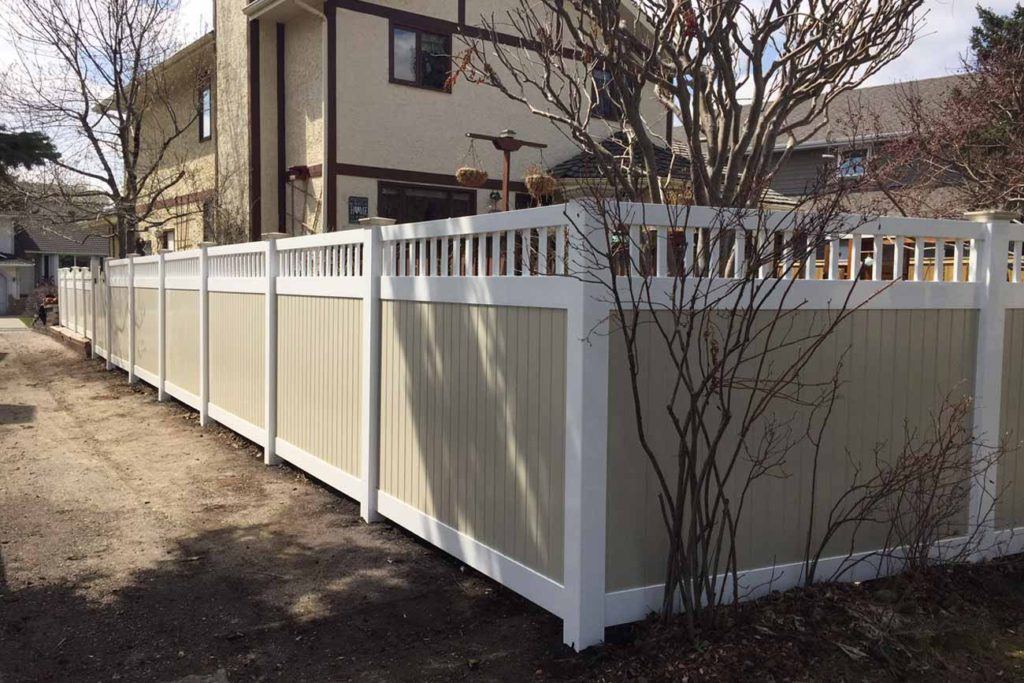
(131, 319)
(370, 433)
(270, 456)
(204, 334)
(988, 381)
(108, 344)
(94, 273)
(586, 458)
(161, 327)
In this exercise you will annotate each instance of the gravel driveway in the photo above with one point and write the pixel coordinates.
(136, 545)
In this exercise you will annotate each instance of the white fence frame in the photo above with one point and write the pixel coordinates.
(401, 263)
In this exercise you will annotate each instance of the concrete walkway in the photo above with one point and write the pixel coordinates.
(10, 322)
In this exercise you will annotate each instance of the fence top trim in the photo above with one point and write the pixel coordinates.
(350, 236)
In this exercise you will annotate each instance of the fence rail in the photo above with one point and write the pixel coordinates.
(452, 377)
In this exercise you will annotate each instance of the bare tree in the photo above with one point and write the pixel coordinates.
(964, 150)
(746, 81)
(90, 75)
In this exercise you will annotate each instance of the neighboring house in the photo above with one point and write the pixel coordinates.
(850, 145)
(182, 216)
(32, 248)
(320, 114)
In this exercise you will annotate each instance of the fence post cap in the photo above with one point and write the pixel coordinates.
(376, 220)
(990, 215)
(268, 236)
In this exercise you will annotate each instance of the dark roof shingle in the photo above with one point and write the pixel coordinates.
(65, 239)
(585, 164)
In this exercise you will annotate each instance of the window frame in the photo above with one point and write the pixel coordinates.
(205, 135)
(449, 189)
(417, 58)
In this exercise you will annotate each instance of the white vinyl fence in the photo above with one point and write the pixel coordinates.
(75, 299)
(459, 384)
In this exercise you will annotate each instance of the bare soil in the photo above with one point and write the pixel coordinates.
(136, 545)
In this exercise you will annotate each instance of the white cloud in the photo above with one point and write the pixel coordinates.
(195, 17)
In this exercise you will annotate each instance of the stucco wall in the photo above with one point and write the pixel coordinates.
(231, 102)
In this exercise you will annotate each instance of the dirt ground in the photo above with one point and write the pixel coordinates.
(136, 545)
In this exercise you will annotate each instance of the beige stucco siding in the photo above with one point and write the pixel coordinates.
(1010, 477)
(183, 339)
(120, 340)
(897, 365)
(319, 374)
(237, 333)
(472, 422)
(231, 105)
(147, 329)
(187, 161)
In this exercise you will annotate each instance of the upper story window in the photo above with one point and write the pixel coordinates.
(604, 106)
(852, 164)
(420, 58)
(205, 113)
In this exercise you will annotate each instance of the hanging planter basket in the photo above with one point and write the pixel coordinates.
(540, 185)
(467, 176)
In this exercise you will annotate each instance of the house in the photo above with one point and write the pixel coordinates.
(33, 247)
(851, 144)
(842, 151)
(312, 116)
(182, 216)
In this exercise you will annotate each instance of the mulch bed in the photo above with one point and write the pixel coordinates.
(962, 622)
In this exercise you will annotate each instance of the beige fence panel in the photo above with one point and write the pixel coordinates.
(147, 341)
(119, 343)
(1010, 504)
(897, 364)
(319, 377)
(182, 354)
(237, 332)
(472, 422)
(100, 333)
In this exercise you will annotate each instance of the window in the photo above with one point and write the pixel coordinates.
(605, 106)
(167, 239)
(205, 113)
(852, 164)
(412, 203)
(420, 58)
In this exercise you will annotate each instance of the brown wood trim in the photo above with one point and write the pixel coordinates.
(282, 161)
(331, 156)
(255, 227)
(180, 200)
(418, 177)
(436, 25)
(462, 12)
